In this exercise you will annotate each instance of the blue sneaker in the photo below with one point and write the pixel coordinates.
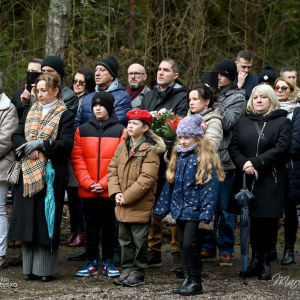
(109, 269)
(90, 268)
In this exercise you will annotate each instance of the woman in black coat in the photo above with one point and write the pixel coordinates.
(289, 96)
(45, 132)
(262, 157)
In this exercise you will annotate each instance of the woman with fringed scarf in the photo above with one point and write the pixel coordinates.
(45, 132)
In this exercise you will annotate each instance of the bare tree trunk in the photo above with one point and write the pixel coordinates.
(58, 28)
(131, 24)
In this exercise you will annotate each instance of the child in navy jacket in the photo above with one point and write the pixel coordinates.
(190, 193)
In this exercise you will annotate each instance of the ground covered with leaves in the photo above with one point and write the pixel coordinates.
(218, 283)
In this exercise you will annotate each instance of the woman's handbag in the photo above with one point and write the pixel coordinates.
(14, 173)
(209, 226)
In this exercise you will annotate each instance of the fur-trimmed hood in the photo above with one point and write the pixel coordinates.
(295, 97)
(155, 142)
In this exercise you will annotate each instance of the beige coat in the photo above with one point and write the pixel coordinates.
(214, 127)
(9, 122)
(135, 177)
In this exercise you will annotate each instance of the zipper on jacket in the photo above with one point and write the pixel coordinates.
(259, 137)
(98, 175)
(292, 164)
(274, 174)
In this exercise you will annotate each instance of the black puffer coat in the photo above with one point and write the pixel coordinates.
(268, 158)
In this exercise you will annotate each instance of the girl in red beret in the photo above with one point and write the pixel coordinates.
(132, 176)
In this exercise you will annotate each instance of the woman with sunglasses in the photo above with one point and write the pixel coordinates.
(288, 95)
(83, 84)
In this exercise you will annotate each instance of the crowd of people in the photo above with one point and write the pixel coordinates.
(97, 138)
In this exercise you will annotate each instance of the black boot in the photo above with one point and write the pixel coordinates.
(184, 283)
(265, 268)
(254, 267)
(288, 256)
(193, 288)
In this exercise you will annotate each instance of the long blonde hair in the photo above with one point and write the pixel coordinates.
(207, 159)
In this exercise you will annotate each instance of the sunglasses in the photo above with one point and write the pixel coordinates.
(282, 88)
(81, 83)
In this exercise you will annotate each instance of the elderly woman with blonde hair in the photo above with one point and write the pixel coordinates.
(258, 147)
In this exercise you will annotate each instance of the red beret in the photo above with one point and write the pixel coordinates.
(140, 114)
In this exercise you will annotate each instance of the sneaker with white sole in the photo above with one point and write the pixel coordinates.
(109, 269)
(89, 269)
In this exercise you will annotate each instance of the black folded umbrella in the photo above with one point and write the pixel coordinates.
(243, 198)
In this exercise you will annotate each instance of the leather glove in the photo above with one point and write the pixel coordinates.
(33, 145)
(19, 151)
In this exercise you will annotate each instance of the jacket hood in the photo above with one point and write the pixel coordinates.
(295, 97)
(156, 142)
(114, 86)
(112, 120)
(273, 115)
(211, 113)
(4, 102)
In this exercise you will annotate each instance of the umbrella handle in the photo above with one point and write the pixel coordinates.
(244, 180)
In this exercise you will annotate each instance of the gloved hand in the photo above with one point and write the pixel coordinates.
(20, 150)
(33, 145)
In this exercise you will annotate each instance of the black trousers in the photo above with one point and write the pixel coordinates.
(99, 215)
(262, 232)
(189, 236)
(75, 209)
(290, 223)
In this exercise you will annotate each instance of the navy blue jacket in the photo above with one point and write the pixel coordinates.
(122, 104)
(185, 199)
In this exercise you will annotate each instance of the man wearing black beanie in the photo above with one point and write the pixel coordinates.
(55, 65)
(106, 73)
(232, 107)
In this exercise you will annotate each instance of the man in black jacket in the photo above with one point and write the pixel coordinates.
(169, 92)
(21, 97)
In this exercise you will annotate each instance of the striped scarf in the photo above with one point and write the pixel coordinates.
(45, 128)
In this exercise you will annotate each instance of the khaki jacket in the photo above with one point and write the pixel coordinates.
(135, 177)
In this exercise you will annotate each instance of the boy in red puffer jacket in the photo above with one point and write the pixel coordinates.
(94, 145)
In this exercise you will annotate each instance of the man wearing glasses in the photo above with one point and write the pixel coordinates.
(137, 85)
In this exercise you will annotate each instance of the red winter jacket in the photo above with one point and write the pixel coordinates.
(94, 147)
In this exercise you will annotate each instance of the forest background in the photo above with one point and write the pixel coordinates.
(196, 33)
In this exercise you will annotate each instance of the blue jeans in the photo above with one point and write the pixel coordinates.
(226, 240)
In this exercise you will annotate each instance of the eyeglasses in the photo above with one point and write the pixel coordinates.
(81, 83)
(135, 74)
(282, 88)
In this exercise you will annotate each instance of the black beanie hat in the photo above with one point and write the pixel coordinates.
(56, 63)
(267, 74)
(227, 67)
(105, 99)
(111, 64)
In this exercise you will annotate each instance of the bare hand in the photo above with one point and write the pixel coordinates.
(247, 165)
(96, 188)
(25, 96)
(251, 171)
(34, 155)
(241, 79)
(119, 199)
